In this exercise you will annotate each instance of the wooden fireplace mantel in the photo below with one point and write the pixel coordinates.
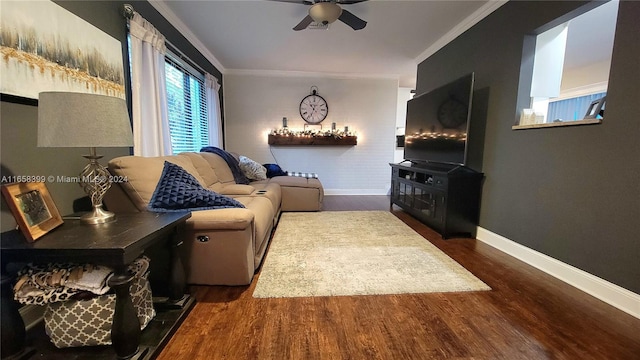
(284, 140)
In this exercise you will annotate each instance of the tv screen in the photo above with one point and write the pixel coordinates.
(438, 123)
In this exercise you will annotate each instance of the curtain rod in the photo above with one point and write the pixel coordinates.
(184, 57)
(128, 11)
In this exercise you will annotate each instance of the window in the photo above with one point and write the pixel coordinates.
(570, 68)
(187, 106)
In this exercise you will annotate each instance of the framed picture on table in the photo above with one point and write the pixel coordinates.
(33, 208)
(596, 109)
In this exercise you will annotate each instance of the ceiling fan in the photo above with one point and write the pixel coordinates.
(327, 11)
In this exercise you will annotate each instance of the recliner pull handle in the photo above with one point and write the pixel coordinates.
(203, 238)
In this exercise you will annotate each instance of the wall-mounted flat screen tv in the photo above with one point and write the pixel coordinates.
(438, 123)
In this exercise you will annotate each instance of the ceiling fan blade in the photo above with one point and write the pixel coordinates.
(304, 23)
(355, 22)
(305, 2)
(311, 2)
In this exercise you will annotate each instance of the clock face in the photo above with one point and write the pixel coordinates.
(313, 109)
(452, 114)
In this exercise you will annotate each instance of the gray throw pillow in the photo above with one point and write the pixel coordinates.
(252, 169)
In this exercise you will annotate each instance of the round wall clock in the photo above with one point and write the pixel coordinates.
(452, 113)
(314, 108)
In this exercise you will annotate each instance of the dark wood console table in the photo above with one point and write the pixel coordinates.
(444, 197)
(114, 244)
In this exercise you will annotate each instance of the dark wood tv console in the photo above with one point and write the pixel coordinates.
(445, 197)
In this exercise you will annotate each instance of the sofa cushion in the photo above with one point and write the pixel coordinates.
(252, 170)
(295, 181)
(178, 190)
(205, 171)
(236, 189)
(271, 191)
(232, 163)
(220, 167)
(143, 174)
(298, 193)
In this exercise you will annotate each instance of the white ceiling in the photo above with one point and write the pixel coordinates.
(590, 36)
(257, 37)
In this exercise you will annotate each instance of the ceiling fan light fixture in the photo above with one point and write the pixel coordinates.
(325, 12)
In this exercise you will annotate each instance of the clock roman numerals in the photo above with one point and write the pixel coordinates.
(313, 109)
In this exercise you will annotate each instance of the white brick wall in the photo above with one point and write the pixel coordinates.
(256, 104)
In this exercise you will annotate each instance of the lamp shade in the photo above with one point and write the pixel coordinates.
(68, 119)
(325, 12)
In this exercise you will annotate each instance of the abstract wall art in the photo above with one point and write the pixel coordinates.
(44, 47)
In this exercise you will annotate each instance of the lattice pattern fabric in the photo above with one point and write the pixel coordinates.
(178, 190)
(76, 323)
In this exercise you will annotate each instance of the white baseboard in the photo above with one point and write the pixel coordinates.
(610, 293)
(356, 191)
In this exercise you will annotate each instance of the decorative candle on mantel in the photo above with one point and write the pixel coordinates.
(346, 130)
(333, 126)
(284, 122)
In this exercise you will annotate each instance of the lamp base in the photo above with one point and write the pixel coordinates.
(98, 216)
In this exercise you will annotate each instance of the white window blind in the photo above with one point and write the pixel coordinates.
(187, 106)
(572, 108)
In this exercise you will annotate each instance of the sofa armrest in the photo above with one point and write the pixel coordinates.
(117, 200)
(221, 219)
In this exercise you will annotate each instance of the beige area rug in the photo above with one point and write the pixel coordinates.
(332, 253)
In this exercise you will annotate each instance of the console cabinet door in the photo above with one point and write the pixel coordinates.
(448, 202)
(430, 205)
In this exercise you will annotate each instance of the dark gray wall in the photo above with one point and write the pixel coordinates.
(19, 154)
(572, 193)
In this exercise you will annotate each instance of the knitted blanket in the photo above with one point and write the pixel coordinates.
(238, 175)
(55, 282)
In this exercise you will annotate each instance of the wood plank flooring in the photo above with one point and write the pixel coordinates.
(527, 315)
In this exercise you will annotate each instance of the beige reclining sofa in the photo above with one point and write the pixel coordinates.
(222, 246)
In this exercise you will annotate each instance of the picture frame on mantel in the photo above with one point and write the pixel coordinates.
(596, 109)
(33, 208)
(56, 51)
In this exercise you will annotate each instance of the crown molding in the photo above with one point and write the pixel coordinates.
(460, 28)
(316, 74)
(464, 25)
(583, 90)
(171, 17)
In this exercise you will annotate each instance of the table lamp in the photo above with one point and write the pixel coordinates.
(68, 119)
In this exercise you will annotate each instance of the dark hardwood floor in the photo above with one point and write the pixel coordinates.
(527, 315)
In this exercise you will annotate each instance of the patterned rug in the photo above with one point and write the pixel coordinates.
(333, 253)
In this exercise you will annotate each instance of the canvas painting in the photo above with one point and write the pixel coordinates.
(47, 48)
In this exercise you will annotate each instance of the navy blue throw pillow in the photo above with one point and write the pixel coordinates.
(178, 190)
(274, 170)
